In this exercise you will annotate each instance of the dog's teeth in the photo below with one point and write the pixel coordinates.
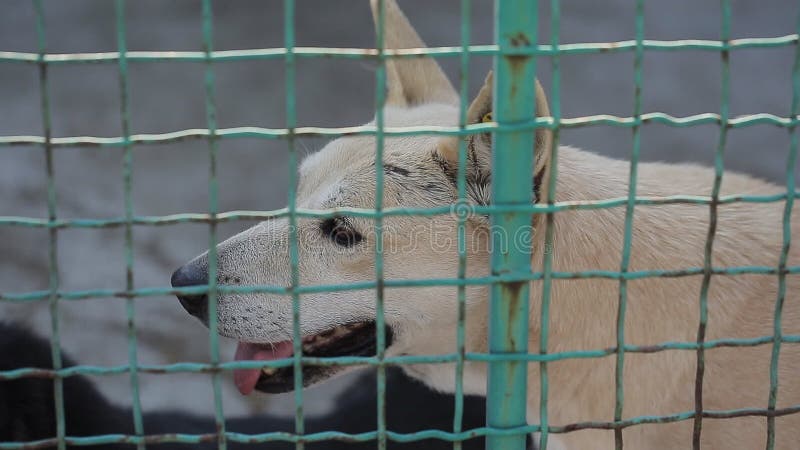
(269, 371)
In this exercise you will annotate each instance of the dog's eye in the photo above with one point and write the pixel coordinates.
(487, 117)
(340, 233)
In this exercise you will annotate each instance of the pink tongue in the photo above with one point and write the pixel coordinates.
(246, 379)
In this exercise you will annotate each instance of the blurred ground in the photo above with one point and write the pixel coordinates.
(253, 174)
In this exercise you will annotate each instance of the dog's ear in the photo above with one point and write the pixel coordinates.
(480, 110)
(479, 146)
(410, 81)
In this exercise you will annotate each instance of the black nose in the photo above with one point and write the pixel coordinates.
(192, 274)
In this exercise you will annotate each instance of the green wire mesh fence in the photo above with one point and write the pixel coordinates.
(511, 274)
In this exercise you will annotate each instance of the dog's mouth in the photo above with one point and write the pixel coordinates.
(353, 339)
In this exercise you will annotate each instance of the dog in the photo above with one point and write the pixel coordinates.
(27, 409)
(420, 172)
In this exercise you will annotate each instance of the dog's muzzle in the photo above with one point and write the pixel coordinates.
(192, 274)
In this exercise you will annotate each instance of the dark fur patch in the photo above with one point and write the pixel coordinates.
(471, 154)
(449, 171)
(394, 169)
(537, 185)
(479, 188)
(478, 181)
(436, 188)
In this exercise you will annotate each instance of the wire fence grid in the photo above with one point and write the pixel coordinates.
(514, 130)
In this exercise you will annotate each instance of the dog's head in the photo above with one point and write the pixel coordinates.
(418, 172)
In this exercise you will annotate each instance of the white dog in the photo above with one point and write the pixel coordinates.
(420, 172)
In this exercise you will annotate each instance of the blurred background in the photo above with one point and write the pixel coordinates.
(253, 174)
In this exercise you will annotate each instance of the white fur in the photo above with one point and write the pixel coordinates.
(583, 312)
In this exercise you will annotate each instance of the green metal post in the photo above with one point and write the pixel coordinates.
(512, 184)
